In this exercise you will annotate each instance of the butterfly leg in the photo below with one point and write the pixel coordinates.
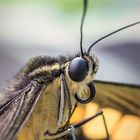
(64, 96)
(107, 133)
(91, 118)
(66, 91)
(73, 132)
(71, 129)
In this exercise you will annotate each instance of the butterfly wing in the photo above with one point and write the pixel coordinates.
(123, 97)
(15, 111)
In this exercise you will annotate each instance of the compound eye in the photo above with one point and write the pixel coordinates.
(78, 69)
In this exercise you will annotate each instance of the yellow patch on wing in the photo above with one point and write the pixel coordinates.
(120, 127)
(120, 104)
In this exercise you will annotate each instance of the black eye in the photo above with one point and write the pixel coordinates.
(78, 69)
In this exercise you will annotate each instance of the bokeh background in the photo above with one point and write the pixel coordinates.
(29, 28)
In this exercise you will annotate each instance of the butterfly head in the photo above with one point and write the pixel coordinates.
(80, 72)
(82, 69)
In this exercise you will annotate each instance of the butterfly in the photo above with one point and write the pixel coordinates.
(45, 93)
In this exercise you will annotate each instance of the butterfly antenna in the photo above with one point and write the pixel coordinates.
(93, 44)
(81, 27)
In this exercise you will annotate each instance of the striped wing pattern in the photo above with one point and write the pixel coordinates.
(123, 97)
(16, 110)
